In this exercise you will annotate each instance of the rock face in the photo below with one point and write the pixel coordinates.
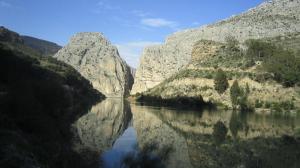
(272, 18)
(98, 61)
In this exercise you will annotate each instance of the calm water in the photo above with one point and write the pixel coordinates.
(116, 129)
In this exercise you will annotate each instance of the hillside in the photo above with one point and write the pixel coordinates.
(267, 89)
(42, 47)
(270, 19)
(40, 98)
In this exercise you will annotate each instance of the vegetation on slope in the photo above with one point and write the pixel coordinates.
(39, 99)
(42, 47)
(45, 48)
(262, 61)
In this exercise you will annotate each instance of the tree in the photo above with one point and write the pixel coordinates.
(239, 96)
(235, 93)
(258, 49)
(285, 66)
(220, 81)
(219, 132)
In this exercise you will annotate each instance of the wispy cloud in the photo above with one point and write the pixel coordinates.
(103, 5)
(140, 13)
(5, 4)
(132, 51)
(159, 22)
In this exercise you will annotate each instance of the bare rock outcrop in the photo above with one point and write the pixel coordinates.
(270, 19)
(98, 61)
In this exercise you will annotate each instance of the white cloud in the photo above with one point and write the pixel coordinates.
(132, 51)
(104, 5)
(159, 22)
(140, 13)
(5, 4)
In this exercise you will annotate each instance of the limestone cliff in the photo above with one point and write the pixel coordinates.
(98, 61)
(272, 18)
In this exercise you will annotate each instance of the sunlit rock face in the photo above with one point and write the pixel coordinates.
(98, 61)
(150, 129)
(99, 129)
(272, 18)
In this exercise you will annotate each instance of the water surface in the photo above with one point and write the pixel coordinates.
(117, 129)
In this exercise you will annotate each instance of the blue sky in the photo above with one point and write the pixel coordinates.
(129, 24)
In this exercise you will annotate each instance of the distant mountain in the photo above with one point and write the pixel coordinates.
(43, 47)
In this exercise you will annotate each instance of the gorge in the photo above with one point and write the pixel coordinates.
(222, 95)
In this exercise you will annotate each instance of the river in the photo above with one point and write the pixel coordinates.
(123, 133)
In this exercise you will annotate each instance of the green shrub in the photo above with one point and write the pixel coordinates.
(275, 108)
(239, 97)
(258, 49)
(268, 105)
(287, 105)
(235, 93)
(285, 66)
(258, 103)
(221, 82)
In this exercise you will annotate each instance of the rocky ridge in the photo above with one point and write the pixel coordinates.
(270, 19)
(99, 61)
(39, 46)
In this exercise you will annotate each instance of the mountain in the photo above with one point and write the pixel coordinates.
(259, 49)
(43, 47)
(40, 98)
(270, 19)
(99, 61)
(9, 36)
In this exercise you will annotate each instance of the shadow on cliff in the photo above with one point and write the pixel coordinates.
(39, 99)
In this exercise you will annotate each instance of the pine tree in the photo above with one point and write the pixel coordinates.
(221, 82)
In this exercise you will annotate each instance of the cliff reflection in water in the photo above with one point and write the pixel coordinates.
(151, 128)
(253, 139)
(100, 128)
(131, 135)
